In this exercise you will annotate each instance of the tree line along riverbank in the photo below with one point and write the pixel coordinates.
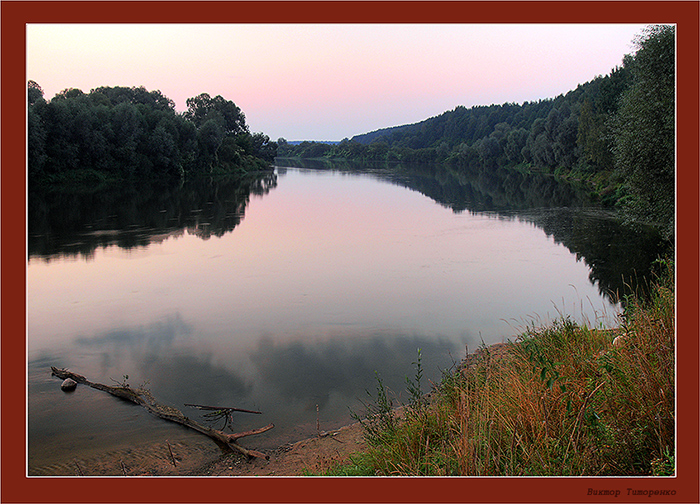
(129, 133)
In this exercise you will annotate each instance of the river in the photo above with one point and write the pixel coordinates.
(290, 292)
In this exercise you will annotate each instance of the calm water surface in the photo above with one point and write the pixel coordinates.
(284, 300)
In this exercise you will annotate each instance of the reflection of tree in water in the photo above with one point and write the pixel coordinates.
(496, 190)
(619, 255)
(310, 371)
(63, 223)
(156, 354)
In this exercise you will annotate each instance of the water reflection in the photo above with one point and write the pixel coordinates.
(310, 371)
(290, 379)
(163, 356)
(300, 305)
(155, 337)
(77, 223)
(305, 371)
(620, 255)
(476, 191)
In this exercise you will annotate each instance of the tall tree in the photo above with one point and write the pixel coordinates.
(203, 108)
(34, 92)
(645, 129)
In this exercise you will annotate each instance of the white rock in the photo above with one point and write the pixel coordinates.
(69, 384)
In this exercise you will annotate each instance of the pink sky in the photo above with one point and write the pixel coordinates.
(329, 82)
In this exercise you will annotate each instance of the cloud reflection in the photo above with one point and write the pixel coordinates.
(152, 337)
(173, 369)
(310, 371)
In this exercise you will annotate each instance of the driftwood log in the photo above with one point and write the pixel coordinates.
(144, 398)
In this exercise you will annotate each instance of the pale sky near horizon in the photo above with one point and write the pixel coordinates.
(330, 81)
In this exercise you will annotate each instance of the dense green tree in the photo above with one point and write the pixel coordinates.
(36, 131)
(308, 149)
(515, 141)
(203, 108)
(283, 147)
(263, 148)
(36, 143)
(489, 151)
(62, 150)
(612, 86)
(122, 132)
(645, 129)
(187, 141)
(34, 92)
(128, 126)
(467, 157)
(135, 95)
(564, 147)
(538, 148)
(594, 139)
(210, 136)
(378, 150)
(163, 148)
(230, 153)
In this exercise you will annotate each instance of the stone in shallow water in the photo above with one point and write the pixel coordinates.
(69, 384)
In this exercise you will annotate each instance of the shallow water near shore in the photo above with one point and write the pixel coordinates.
(286, 296)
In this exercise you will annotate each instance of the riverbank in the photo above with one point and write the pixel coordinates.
(195, 455)
(315, 455)
(563, 400)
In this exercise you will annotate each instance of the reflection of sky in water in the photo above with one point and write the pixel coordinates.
(329, 278)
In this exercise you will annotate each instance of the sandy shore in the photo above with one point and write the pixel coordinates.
(196, 455)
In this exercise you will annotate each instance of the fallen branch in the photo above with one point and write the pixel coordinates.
(144, 398)
(224, 413)
(172, 457)
(222, 408)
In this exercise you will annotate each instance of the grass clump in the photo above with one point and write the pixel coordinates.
(563, 400)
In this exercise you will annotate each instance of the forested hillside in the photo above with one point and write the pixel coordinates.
(131, 133)
(615, 132)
